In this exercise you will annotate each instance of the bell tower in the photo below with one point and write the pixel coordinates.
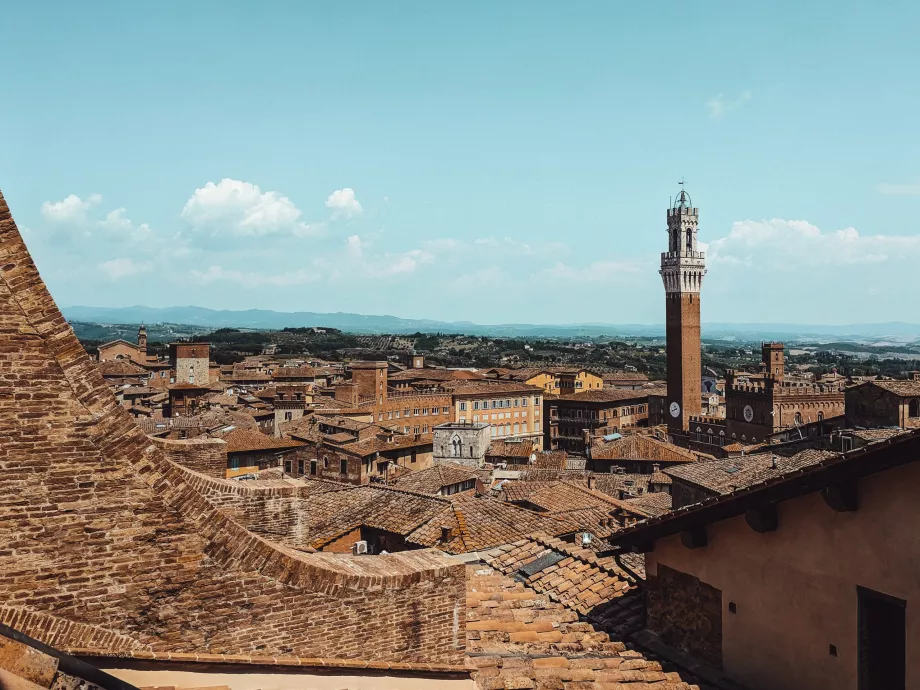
(682, 269)
(142, 340)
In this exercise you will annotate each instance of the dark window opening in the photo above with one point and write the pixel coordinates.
(732, 608)
(343, 467)
(882, 641)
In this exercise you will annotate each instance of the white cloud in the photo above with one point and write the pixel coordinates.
(215, 274)
(719, 106)
(594, 272)
(117, 269)
(118, 226)
(362, 262)
(242, 209)
(907, 189)
(790, 244)
(72, 209)
(344, 205)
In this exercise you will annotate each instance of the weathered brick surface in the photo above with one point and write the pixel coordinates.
(99, 529)
(205, 455)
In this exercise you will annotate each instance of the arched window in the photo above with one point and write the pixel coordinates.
(798, 418)
(820, 416)
(913, 408)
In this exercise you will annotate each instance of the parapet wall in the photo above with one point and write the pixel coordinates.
(205, 455)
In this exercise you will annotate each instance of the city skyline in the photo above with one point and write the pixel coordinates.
(492, 165)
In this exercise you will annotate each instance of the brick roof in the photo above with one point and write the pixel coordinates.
(730, 474)
(642, 447)
(510, 449)
(578, 580)
(624, 376)
(247, 440)
(478, 523)
(436, 477)
(654, 504)
(905, 389)
(489, 388)
(609, 395)
(519, 636)
(875, 435)
(121, 367)
(436, 375)
(166, 584)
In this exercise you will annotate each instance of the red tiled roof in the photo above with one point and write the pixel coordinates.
(245, 440)
(641, 447)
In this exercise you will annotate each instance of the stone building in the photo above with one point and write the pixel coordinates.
(801, 576)
(553, 380)
(761, 405)
(876, 404)
(190, 362)
(122, 349)
(572, 419)
(682, 269)
(346, 450)
(461, 443)
(512, 410)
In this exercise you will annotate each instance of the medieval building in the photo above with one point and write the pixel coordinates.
(682, 269)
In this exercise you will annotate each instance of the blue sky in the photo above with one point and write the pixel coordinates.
(486, 161)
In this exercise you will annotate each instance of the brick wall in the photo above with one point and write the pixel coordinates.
(205, 455)
(686, 613)
(97, 527)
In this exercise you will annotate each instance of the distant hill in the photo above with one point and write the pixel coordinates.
(360, 323)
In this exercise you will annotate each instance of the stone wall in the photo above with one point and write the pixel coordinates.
(205, 455)
(98, 527)
(686, 613)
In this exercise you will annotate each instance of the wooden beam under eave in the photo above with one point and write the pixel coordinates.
(695, 538)
(762, 519)
(841, 497)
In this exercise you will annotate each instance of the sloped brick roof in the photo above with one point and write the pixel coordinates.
(128, 548)
(248, 440)
(729, 474)
(121, 367)
(480, 523)
(523, 637)
(901, 388)
(436, 477)
(641, 447)
(510, 449)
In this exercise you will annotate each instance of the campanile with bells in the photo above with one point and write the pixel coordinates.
(682, 269)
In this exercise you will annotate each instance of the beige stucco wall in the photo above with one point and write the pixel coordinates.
(285, 681)
(795, 588)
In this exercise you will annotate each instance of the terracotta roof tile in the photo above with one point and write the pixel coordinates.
(641, 447)
(436, 477)
(245, 440)
(729, 474)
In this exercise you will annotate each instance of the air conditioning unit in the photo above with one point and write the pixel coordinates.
(359, 547)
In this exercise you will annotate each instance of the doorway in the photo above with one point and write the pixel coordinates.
(882, 641)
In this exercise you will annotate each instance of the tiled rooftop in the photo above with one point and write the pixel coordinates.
(523, 632)
(436, 477)
(729, 474)
(901, 388)
(642, 447)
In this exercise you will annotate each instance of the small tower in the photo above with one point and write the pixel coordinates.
(682, 269)
(142, 340)
(771, 355)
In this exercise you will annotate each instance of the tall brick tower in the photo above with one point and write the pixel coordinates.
(682, 269)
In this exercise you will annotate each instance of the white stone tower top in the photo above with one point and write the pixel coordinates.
(683, 265)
